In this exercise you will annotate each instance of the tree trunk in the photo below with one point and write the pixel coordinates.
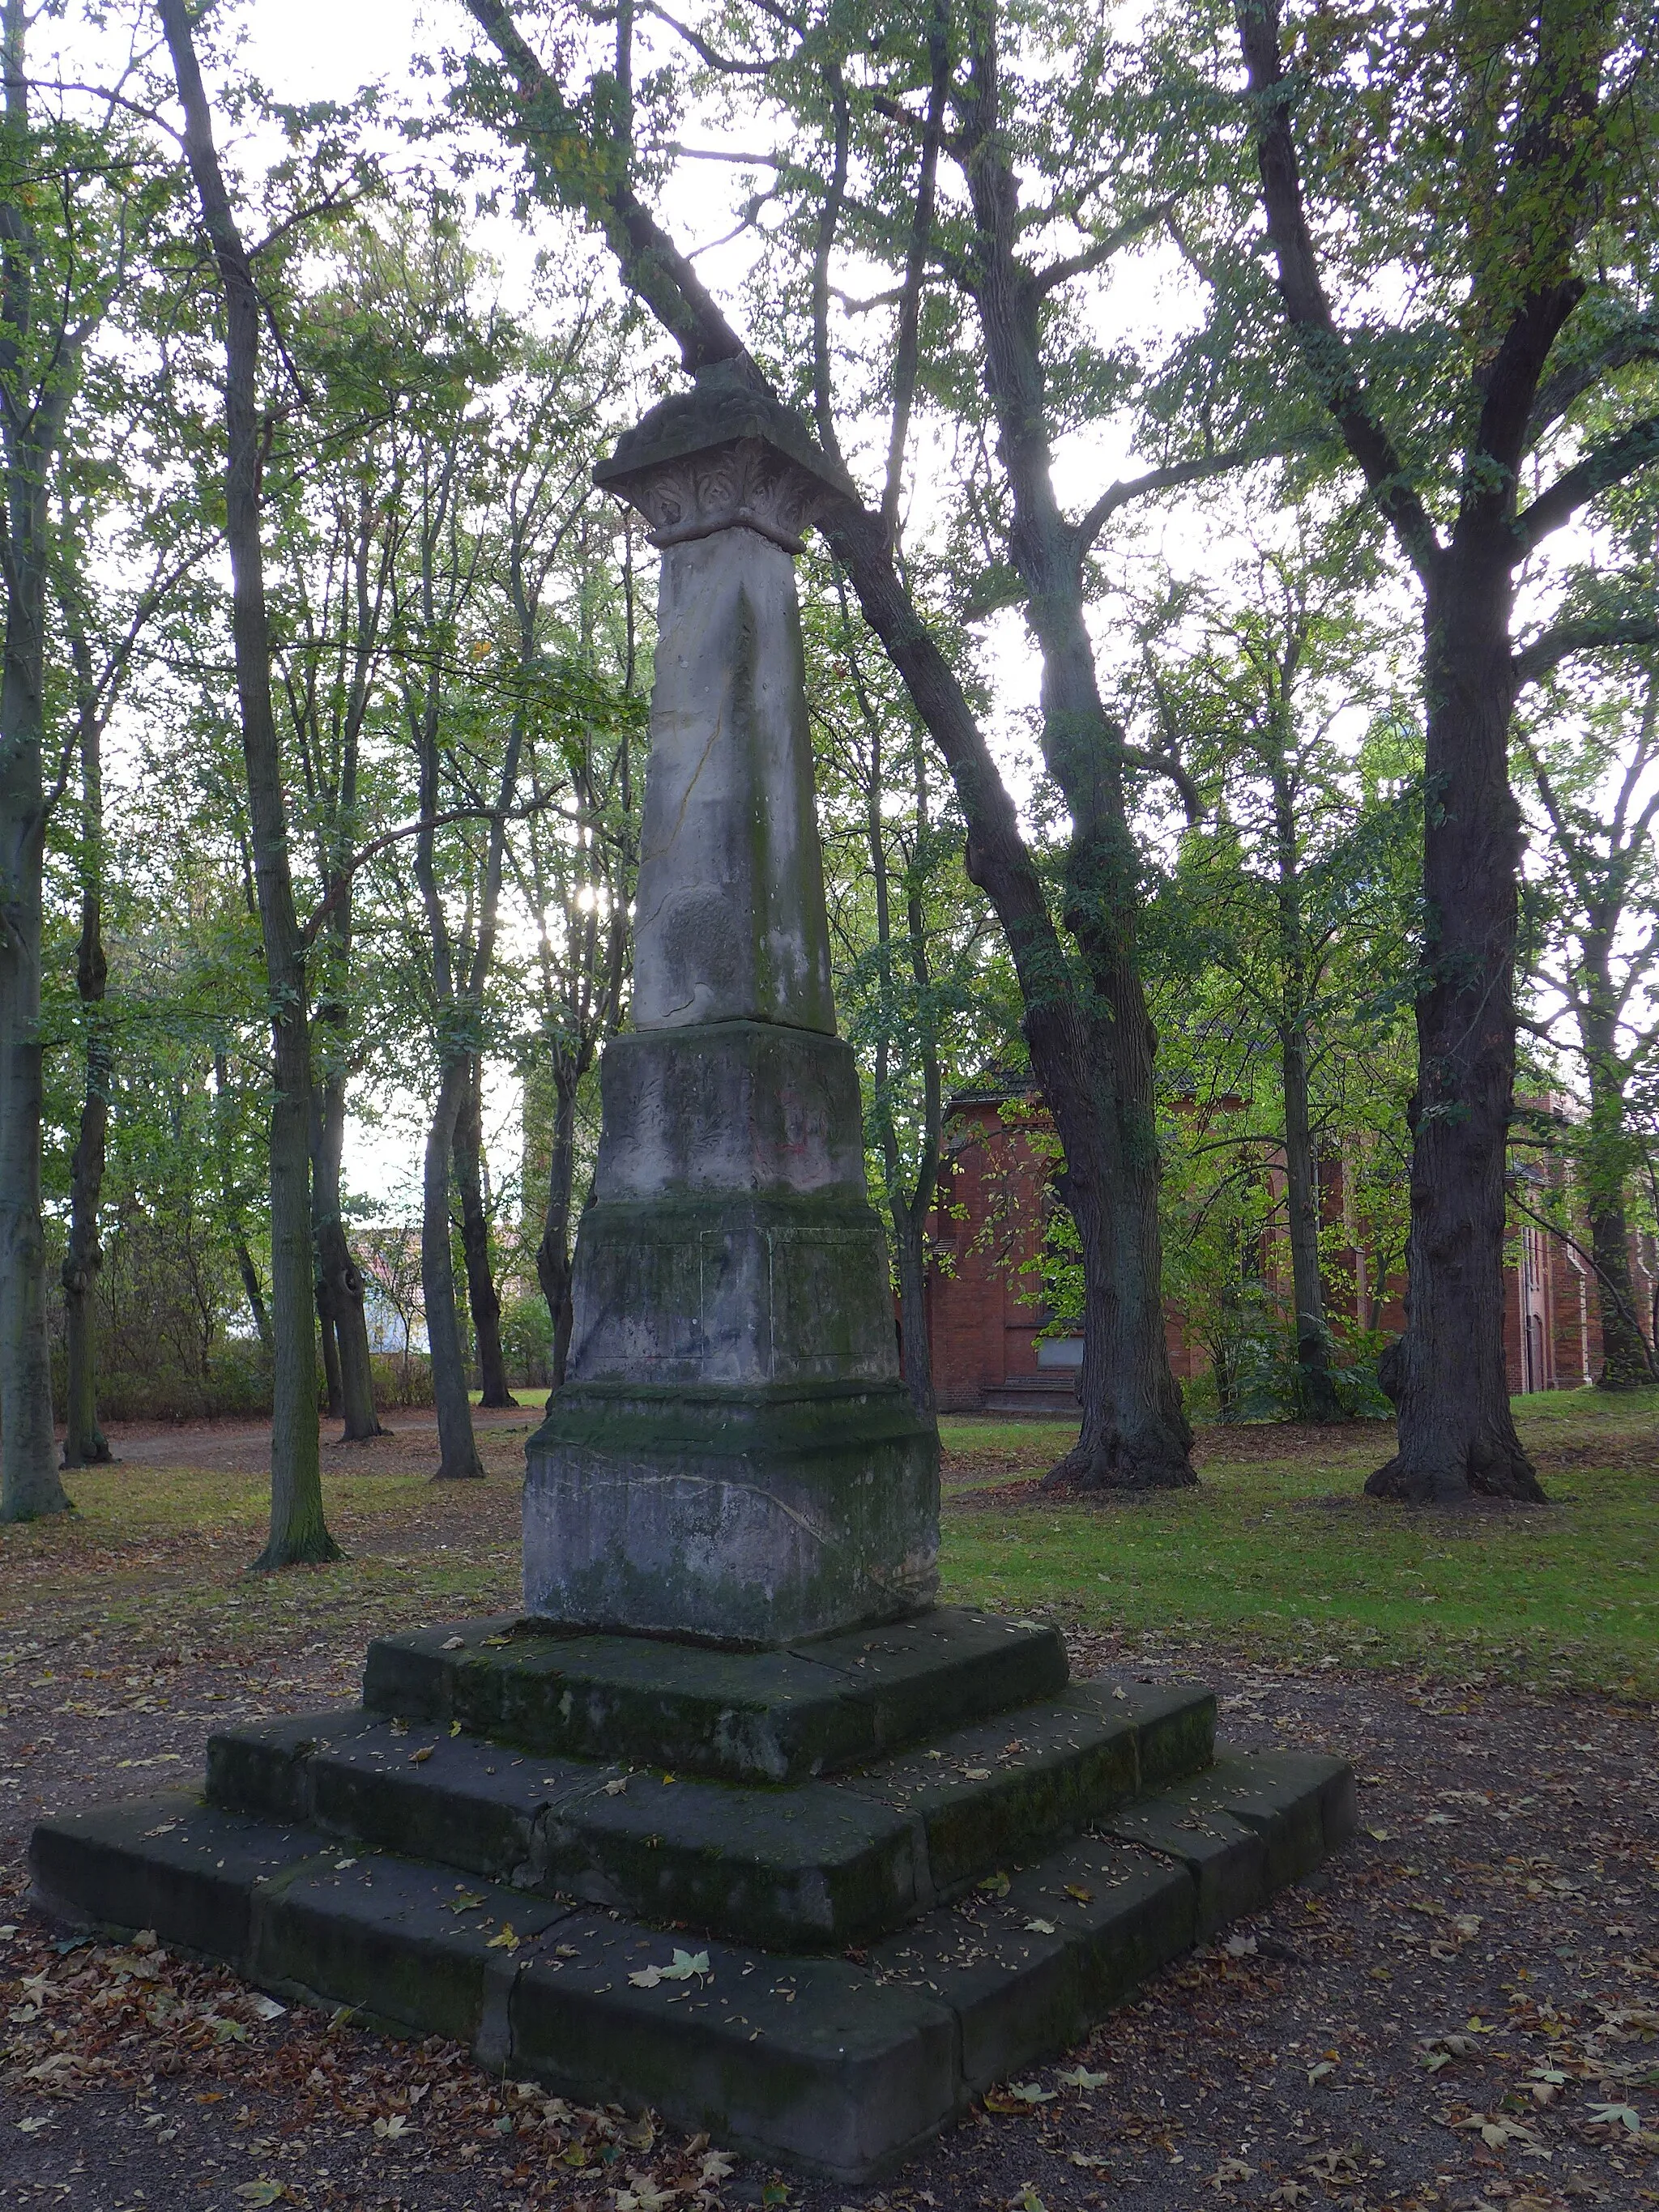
(458, 1451)
(553, 1253)
(339, 1279)
(1134, 1434)
(481, 1294)
(84, 1442)
(1096, 1057)
(1316, 1393)
(29, 1475)
(298, 1530)
(1628, 1360)
(910, 1260)
(1456, 1436)
(333, 1396)
(230, 1198)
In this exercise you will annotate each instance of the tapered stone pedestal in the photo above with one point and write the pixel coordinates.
(731, 1457)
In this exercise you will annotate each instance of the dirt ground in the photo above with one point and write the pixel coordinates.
(1462, 2011)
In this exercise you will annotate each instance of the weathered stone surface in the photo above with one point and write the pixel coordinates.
(809, 2060)
(749, 1518)
(835, 1702)
(1174, 1726)
(731, 1456)
(1026, 1973)
(265, 1767)
(729, 914)
(729, 1109)
(1226, 1859)
(399, 1942)
(833, 2065)
(1008, 1789)
(169, 1863)
(808, 1870)
(818, 1866)
(743, 1294)
(777, 494)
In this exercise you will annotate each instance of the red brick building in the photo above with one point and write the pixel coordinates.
(985, 1313)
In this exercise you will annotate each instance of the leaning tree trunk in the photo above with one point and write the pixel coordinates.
(84, 1442)
(1315, 1392)
(298, 1530)
(457, 1450)
(1456, 1436)
(481, 1293)
(339, 1279)
(553, 1252)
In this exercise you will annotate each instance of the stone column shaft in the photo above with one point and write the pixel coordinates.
(733, 1457)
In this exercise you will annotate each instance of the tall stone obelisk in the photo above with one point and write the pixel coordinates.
(733, 1457)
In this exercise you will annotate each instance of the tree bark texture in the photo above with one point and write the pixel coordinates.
(328, 1346)
(1316, 1393)
(298, 1530)
(553, 1252)
(1628, 1361)
(339, 1279)
(1457, 1435)
(84, 1442)
(29, 1475)
(1447, 1375)
(458, 1451)
(481, 1293)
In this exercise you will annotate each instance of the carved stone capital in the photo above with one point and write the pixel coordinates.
(726, 455)
(748, 484)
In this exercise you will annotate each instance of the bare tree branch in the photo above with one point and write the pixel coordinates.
(1633, 450)
(1546, 653)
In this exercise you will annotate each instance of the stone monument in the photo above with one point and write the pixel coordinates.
(733, 1457)
(734, 1821)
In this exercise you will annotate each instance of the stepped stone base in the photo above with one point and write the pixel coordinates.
(904, 1862)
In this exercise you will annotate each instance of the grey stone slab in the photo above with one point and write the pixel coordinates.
(1010, 1788)
(731, 1108)
(806, 1869)
(1027, 1972)
(170, 1862)
(777, 1716)
(944, 1668)
(729, 911)
(740, 1517)
(810, 2061)
(1226, 1857)
(739, 1293)
(458, 1800)
(407, 1944)
(1174, 1726)
(1302, 1804)
(840, 2066)
(265, 1767)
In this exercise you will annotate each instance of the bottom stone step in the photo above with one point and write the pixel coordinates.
(839, 2066)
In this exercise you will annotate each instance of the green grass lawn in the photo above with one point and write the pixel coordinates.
(1277, 1551)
